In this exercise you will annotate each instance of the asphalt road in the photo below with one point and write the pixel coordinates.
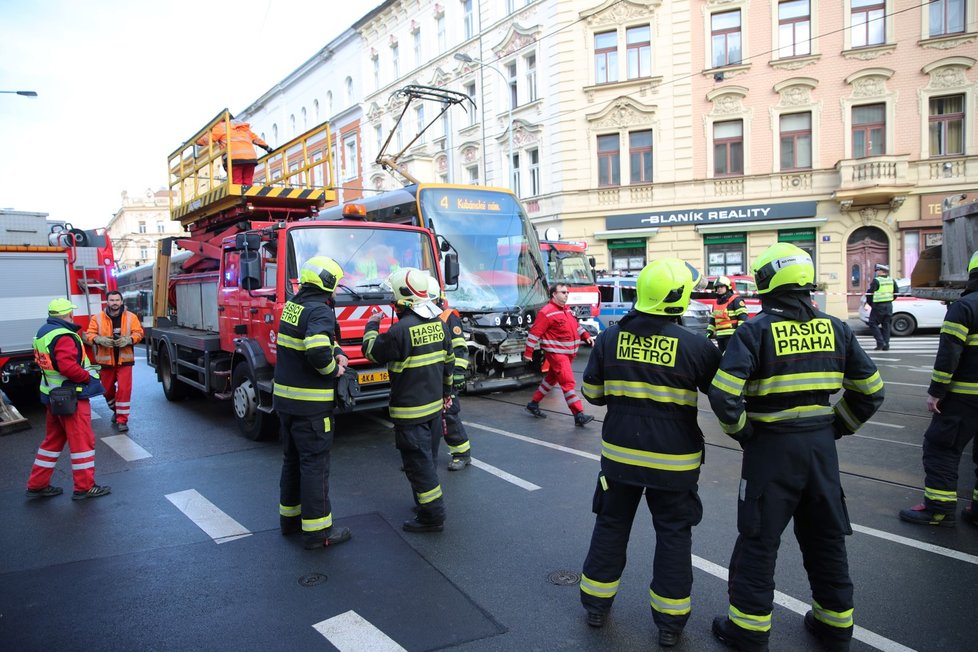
(186, 553)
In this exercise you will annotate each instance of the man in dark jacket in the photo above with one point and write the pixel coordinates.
(418, 353)
(61, 356)
(953, 398)
(771, 394)
(308, 361)
(647, 370)
(879, 296)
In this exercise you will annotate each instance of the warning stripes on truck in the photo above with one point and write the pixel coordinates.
(303, 195)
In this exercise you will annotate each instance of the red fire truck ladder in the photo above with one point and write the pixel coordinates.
(293, 181)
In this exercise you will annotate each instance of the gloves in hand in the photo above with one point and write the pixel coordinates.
(123, 340)
(267, 149)
(102, 340)
(458, 382)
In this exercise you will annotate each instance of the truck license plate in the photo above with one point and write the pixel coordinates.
(372, 377)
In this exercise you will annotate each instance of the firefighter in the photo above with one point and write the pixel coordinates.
(728, 313)
(771, 394)
(307, 364)
(60, 353)
(113, 333)
(647, 369)
(880, 298)
(243, 156)
(953, 398)
(418, 353)
(557, 331)
(456, 437)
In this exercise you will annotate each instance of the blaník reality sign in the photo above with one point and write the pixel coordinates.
(717, 215)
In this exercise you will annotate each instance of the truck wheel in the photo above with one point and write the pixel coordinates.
(173, 389)
(252, 422)
(902, 324)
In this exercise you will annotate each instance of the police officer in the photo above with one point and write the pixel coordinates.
(647, 369)
(953, 398)
(880, 298)
(728, 313)
(418, 353)
(307, 365)
(787, 361)
(456, 437)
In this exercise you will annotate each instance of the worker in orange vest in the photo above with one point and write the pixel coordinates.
(243, 155)
(112, 333)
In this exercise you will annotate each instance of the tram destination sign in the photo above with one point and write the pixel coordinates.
(717, 215)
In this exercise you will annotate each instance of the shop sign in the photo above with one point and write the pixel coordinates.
(718, 215)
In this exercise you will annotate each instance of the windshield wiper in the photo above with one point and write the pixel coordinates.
(350, 291)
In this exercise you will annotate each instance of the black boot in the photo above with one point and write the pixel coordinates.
(331, 536)
(289, 524)
(731, 636)
(832, 641)
(534, 408)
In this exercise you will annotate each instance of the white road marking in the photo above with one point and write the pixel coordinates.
(920, 545)
(205, 515)
(538, 442)
(126, 448)
(889, 441)
(519, 482)
(885, 425)
(349, 632)
(893, 382)
(875, 359)
(793, 604)
(383, 422)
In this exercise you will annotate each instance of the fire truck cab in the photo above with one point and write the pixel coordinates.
(568, 263)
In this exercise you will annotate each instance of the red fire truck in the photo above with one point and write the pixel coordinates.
(40, 260)
(568, 262)
(216, 320)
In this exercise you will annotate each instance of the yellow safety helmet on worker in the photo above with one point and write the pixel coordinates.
(321, 271)
(60, 307)
(664, 287)
(783, 266)
(973, 265)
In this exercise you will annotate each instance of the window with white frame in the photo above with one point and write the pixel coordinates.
(379, 136)
(946, 17)
(440, 29)
(472, 172)
(796, 141)
(349, 90)
(318, 176)
(515, 174)
(305, 121)
(142, 226)
(534, 156)
(468, 19)
(794, 28)
(144, 252)
(329, 104)
(530, 61)
(946, 126)
(396, 60)
(609, 160)
(640, 156)
(470, 91)
(292, 125)
(868, 24)
(728, 148)
(419, 121)
(315, 110)
(726, 38)
(510, 6)
(513, 85)
(444, 126)
(606, 57)
(399, 136)
(160, 226)
(868, 130)
(350, 162)
(417, 48)
(375, 62)
(638, 51)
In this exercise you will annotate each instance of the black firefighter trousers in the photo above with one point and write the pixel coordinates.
(790, 473)
(418, 444)
(674, 513)
(455, 435)
(944, 442)
(306, 443)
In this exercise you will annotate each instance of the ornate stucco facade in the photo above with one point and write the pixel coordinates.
(137, 226)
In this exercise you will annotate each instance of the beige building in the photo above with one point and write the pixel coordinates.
(139, 223)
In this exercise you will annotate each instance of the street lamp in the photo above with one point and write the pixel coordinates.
(24, 93)
(460, 56)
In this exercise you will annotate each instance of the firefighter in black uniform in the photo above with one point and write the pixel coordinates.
(418, 353)
(456, 437)
(787, 361)
(953, 398)
(879, 296)
(729, 313)
(647, 370)
(308, 362)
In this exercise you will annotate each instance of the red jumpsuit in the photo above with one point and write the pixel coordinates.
(75, 429)
(556, 331)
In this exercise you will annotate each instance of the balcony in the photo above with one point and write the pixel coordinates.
(873, 180)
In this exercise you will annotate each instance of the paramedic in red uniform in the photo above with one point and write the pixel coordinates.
(113, 334)
(556, 331)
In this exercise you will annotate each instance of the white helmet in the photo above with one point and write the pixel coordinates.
(434, 288)
(410, 288)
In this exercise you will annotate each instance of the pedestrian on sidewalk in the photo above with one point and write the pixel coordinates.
(113, 333)
(879, 296)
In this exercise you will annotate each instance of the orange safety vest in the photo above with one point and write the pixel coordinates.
(724, 321)
(101, 324)
(242, 139)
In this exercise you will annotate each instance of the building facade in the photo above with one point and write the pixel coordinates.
(136, 227)
(705, 129)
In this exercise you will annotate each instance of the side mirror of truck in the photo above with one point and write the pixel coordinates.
(451, 268)
(249, 241)
(250, 273)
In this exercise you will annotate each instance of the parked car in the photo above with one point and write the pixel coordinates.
(909, 313)
(618, 296)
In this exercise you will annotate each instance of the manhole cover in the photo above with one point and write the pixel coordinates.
(312, 579)
(564, 578)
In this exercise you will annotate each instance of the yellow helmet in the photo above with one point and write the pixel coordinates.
(59, 307)
(664, 287)
(723, 280)
(783, 266)
(321, 271)
(973, 265)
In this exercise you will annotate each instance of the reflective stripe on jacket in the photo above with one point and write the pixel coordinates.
(53, 373)
(882, 290)
(780, 373)
(555, 330)
(459, 347)
(305, 362)
(418, 354)
(956, 364)
(101, 324)
(729, 312)
(647, 370)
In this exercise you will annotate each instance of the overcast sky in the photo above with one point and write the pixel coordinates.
(121, 83)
